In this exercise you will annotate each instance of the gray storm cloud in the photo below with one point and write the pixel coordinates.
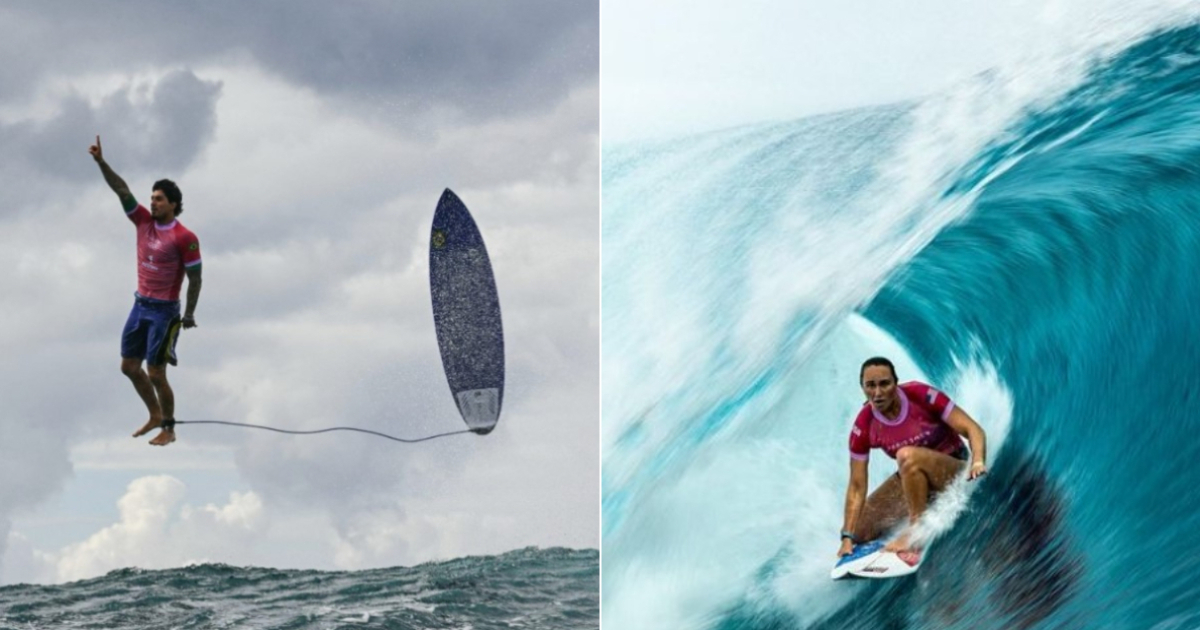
(146, 128)
(487, 59)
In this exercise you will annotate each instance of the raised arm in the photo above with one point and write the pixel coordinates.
(967, 427)
(114, 181)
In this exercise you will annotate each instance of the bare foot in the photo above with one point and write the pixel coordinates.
(911, 558)
(164, 437)
(151, 424)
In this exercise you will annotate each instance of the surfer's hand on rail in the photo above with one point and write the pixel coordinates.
(978, 469)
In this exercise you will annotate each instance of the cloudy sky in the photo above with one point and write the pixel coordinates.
(311, 141)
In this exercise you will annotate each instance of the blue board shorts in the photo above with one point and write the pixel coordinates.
(151, 331)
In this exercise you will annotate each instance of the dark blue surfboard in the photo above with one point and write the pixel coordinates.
(466, 314)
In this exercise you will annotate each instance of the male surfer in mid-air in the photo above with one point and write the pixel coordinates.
(166, 251)
(919, 427)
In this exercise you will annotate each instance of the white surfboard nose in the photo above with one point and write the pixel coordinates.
(862, 556)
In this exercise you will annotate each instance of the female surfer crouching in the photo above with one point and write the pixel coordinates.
(919, 427)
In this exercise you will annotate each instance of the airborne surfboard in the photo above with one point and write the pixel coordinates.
(466, 314)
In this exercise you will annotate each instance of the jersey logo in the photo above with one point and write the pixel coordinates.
(194, 246)
(931, 396)
(856, 430)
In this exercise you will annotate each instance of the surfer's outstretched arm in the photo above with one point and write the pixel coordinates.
(114, 181)
(856, 498)
(966, 426)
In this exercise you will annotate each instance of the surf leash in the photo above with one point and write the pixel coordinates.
(170, 424)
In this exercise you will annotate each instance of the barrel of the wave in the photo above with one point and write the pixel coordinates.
(466, 314)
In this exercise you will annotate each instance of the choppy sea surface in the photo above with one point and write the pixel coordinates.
(528, 588)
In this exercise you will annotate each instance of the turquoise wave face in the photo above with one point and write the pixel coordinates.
(1061, 255)
(1076, 272)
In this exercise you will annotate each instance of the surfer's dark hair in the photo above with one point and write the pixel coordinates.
(172, 192)
(876, 361)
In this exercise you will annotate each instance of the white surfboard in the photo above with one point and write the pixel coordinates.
(862, 555)
(886, 564)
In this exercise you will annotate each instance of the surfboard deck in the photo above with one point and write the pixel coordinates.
(890, 565)
(869, 560)
(466, 314)
(862, 555)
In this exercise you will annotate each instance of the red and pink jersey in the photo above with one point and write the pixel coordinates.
(922, 422)
(163, 252)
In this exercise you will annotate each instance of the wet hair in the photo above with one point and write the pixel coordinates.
(876, 361)
(172, 192)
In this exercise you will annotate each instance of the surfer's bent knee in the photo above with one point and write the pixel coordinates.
(907, 460)
(158, 374)
(130, 367)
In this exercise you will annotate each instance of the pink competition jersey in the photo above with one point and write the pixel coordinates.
(922, 422)
(163, 251)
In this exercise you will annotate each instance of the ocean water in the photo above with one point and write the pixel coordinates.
(529, 588)
(1029, 242)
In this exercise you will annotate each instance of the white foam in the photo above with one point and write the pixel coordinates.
(694, 544)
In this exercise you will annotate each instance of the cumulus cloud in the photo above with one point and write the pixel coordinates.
(311, 188)
(158, 530)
